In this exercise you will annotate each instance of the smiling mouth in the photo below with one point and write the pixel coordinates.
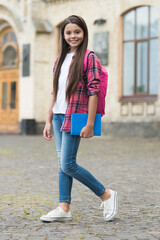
(74, 41)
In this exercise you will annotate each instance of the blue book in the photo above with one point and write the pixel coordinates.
(79, 120)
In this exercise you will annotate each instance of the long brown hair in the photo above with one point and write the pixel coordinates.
(76, 69)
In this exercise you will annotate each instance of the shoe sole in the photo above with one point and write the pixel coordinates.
(55, 219)
(115, 209)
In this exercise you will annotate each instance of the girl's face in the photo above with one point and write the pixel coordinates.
(73, 35)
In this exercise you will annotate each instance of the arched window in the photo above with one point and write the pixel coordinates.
(5, 38)
(9, 56)
(9, 49)
(140, 52)
(13, 37)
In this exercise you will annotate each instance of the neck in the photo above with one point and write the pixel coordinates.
(72, 50)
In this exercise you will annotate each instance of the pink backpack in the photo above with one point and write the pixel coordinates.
(103, 84)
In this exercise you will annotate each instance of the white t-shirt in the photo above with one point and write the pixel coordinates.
(60, 105)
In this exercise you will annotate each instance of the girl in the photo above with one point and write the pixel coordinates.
(69, 96)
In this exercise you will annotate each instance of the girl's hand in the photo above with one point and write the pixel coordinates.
(46, 132)
(86, 132)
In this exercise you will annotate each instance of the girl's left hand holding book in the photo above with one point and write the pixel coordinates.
(87, 132)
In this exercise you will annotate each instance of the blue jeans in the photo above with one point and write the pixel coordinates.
(67, 147)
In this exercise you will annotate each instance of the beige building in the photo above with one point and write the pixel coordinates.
(123, 33)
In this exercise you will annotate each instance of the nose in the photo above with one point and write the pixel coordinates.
(72, 35)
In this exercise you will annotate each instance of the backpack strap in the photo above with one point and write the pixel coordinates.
(85, 65)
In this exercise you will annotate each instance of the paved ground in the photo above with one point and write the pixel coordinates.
(29, 188)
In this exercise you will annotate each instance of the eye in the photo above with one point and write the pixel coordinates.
(77, 32)
(68, 33)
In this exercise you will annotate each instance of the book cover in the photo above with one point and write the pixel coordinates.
(79, 120)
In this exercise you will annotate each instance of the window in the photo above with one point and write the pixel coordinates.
(140, 52)
(13, 95)
(13, 37)
(4, 95)
(9, 49)
(5, 38)
(9, 56)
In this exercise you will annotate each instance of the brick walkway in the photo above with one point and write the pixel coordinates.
(29, 188)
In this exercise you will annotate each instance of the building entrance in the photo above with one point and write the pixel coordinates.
(9, 78)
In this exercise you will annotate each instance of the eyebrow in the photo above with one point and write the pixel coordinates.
(74, 30)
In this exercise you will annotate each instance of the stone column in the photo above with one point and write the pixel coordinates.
(22, 9)
(29, 11)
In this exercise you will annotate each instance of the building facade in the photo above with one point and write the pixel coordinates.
(123, 33)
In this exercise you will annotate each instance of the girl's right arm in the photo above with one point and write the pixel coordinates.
(47, 128)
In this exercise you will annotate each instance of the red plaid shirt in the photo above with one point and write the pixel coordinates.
(78, 102)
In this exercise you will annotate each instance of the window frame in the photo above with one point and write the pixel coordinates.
(136, 97)
(7, 44)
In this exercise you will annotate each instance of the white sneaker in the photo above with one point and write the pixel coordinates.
(110, 206)
(56, 215)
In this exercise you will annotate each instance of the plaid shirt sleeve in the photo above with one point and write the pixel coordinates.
(93, 75)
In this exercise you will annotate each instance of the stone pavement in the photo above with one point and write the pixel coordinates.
(29, 188)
